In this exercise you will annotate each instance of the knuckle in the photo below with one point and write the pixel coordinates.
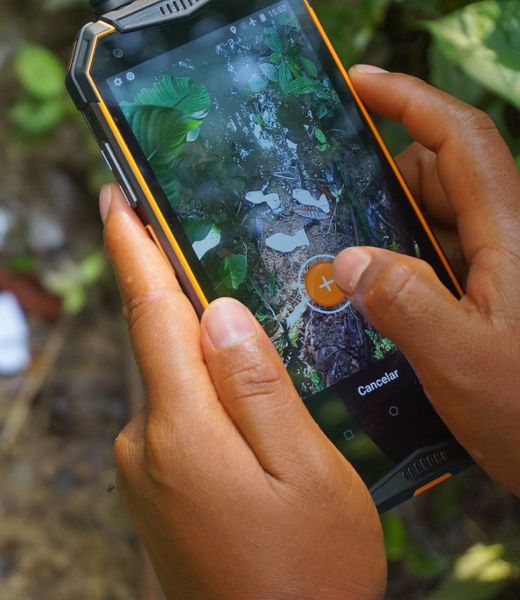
(159, 449)
(141, 305)
(251, 377)
(127, 451)
(388, 289)
(479, 121)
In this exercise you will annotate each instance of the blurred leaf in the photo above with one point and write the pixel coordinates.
(91, 268)
(74, 300)
(517, 160)
(22, 264)
(36, 117)
(449, 77)
(351, 24)
(479, 574)
(55, 5)
(483, 39)
(423, 564)
(40, 72)
(396, 538)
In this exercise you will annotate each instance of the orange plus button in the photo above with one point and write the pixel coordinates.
(321, 287)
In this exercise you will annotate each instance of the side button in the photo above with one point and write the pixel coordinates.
(116, 169)
(155, 239)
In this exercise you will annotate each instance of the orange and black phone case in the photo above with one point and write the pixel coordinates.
(434, 464)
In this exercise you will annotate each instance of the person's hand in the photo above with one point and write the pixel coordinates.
(235, 491)
(466, 353)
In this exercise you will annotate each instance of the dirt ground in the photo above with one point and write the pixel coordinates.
(64, 532)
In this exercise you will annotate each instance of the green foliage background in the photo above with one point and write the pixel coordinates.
(462, 539)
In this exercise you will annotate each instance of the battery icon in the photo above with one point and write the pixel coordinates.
(263, 18)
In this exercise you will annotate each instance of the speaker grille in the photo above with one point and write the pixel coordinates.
(177, 6)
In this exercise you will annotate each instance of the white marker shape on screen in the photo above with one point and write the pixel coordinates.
(305, 197)
(296, 314)
(288, 243)
(212, 240)
(272, 200)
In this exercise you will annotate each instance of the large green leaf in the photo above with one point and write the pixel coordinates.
(162, 132)
(483, 39)
(180, 93)
(164, 118)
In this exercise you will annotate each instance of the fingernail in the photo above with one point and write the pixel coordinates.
(229, 323)
(349, 268)
(105, 199)
(369, 69)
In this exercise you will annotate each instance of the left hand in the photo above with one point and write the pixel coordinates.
(235, 491)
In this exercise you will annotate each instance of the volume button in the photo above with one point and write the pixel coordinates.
(155, 239)
(116, 169)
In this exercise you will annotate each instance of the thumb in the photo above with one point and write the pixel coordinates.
(405, 300)
(257, 393)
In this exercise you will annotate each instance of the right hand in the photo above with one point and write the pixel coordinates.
(466, 353)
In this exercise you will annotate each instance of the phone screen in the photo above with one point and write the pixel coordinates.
(269, 170)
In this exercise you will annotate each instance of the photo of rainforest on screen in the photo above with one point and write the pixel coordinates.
(271, 177)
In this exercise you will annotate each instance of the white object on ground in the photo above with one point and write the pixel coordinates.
(305, 197)
(15, 354)
(288, 243)
(6, 220)
(45, 233)
(212, 240)
(296, 314)
(272, 200)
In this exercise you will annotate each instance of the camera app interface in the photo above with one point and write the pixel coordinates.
(271, 177)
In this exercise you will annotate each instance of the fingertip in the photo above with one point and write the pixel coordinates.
(105, 200)
(227, 322)
(362, 69)
(111, 199)
(349, 267)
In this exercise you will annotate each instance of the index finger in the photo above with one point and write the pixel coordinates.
(474, 163)
(163, 325)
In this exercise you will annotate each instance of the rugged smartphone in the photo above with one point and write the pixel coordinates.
(236, 135)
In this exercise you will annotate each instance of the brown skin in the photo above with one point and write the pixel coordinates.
(466, 353)
(234, 489)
